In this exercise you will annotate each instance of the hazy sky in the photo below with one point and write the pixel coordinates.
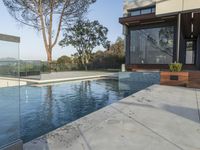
(106, 12)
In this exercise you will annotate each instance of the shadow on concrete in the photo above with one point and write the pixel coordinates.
(185, 112)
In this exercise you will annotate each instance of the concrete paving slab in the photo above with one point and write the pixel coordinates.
(10, 83)
(73, 74)
(198, 101)
(67, 137)
(172, 122)
(159, 117)
(120, 132)
(69, 76)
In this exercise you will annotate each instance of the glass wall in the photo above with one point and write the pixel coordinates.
(9, 90)
(152, 45)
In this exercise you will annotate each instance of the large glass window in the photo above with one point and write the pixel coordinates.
(152, 45)
(146, 11)
(135, 13)
(142, 11)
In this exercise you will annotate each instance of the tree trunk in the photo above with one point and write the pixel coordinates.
(49, 56)
(49, 59)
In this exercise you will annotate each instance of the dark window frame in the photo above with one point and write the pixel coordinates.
(151, 8)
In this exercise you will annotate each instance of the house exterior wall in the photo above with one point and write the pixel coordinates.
(168, 6)
(174, 6)
(166, 12)
(191, 4)
(163, 6)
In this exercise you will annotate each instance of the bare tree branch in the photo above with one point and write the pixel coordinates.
(48, 16)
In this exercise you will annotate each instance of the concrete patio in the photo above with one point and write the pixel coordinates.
(55, 77)
(157, 118)
(10, 82)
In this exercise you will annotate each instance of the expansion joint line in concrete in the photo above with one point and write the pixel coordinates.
(84, 138)
(198, 105)
(148, 128)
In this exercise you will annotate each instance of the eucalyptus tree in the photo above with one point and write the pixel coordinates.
(84, 36)
(48, 16)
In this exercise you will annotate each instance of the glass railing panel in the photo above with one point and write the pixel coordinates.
(30, 69)
(9, 91)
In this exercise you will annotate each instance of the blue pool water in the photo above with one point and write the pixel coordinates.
(46, 108)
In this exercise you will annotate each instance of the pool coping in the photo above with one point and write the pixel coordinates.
(66, 79)
(32, 81)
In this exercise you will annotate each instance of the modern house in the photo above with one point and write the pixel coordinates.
(159, 32)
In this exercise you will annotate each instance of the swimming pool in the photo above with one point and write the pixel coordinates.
(46, 108)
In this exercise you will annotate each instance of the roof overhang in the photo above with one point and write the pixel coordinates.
(146, 19)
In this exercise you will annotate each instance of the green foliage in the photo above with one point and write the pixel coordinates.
(84, 36)
(64, 60)
(64, 63)
(175, 67)
(9, 69)
(48, 16)
(112, 58)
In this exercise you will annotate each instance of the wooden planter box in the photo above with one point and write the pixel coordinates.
(194, 79)
(174, 78)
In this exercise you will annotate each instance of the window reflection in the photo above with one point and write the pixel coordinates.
(190, 52)
(142, 11)
(152, 46)
(146, 11)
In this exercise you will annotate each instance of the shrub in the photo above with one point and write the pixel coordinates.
(175, 67)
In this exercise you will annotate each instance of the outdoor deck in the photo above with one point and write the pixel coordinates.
(159, 117)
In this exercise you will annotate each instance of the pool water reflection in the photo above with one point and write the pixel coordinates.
(44, 109)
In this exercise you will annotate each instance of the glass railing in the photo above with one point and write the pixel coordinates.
(34, 69)
(30, 69)
(9, 91)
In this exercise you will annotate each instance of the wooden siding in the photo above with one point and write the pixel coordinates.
(194, 79)
(182, 78)
(146, 19)
(188, 79)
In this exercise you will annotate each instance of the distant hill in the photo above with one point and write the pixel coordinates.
(8, 59)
